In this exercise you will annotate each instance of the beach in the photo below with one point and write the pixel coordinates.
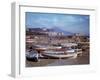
(80, 60)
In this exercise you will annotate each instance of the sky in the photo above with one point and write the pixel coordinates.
(74, 23)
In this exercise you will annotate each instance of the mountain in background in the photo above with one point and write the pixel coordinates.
(53, 29)
(57, 29)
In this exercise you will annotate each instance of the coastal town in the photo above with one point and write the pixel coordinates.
(52, 46)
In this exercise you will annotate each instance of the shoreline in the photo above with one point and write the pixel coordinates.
(80, 60)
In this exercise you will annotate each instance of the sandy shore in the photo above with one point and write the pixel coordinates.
(80, 60)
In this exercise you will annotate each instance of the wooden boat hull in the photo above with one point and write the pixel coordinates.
(61, 56)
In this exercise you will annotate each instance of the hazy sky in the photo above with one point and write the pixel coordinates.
(68, 22)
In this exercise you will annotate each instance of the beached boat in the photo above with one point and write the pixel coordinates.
(61, 54)
(48, 48)
(63, 51)
(32, 55)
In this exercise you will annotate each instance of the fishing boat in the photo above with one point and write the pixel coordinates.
(61, 54)
(43, 48)
(63, 51)
(32, 56)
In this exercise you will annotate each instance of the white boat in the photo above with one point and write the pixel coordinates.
(61, 54)
(48, 47)
(57, 51)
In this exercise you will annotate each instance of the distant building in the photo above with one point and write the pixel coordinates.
(77, 37)
(44, 31)
(60, 33)
(52, 33)
(55, 33)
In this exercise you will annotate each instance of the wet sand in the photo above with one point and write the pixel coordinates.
(80, 60)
